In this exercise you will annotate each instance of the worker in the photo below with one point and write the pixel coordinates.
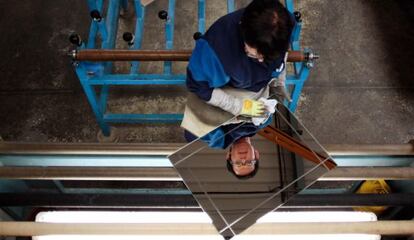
(243, 159)
(239, 60)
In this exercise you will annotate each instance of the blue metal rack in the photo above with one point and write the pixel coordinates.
(98, 76)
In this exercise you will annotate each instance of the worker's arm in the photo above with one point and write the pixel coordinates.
(205, 77)
(204, 71)
(201, 88)
(219, 98)
(236, 106)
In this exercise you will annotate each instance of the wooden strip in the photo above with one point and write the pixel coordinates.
(291, 144)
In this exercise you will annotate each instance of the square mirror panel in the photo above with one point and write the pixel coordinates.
(255, 174)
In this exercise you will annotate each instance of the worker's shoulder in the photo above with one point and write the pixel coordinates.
(225, 39)
(224, 25)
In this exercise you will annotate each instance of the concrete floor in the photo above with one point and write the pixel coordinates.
(361, 90)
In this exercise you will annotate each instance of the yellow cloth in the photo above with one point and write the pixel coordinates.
(378, 186)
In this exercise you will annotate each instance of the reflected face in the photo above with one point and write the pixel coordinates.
(243, 156)
(253, 53)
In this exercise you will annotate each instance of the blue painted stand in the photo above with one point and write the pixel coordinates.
(99, 76)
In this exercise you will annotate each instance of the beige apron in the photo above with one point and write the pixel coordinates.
(201, 118)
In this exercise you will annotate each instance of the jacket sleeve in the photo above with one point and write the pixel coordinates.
(205, 71)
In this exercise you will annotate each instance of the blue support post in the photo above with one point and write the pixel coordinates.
(201, 16)
(92, 35)
(295, 44)
(111, 22)
(139, 30)
(138, 79)
(289, 5)
(102, 30)
(104, 97)
(93, 5)
(297, 87)
(230, 6)
(143, 118)
(91, 95)
(137, 82)
(301, 71)
(296, 34)
(169, 34)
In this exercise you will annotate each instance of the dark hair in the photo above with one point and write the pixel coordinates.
(267, 26)
(250, 175)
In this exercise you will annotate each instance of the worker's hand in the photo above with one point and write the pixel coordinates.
(253, 108)
(279, 93)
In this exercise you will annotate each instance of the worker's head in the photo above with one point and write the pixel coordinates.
(243, 159)
(266, 27)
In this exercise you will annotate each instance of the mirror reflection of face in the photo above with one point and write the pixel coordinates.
(243, 157)
(253, 53)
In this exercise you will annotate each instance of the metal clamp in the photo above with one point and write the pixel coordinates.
(310, 58)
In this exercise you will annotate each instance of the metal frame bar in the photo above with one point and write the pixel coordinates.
(98, 5)
(289, 5)
(201, 16)
(135, 79)
(169, 173)
(143, 118)
(139, 32)
(100, 73)
(297, 83)
(230, 6)
(164, 149)
(38, 228)
(143, 200)
(301, 71)
(169, 34)
(93, 101)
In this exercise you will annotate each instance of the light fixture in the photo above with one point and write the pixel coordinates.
(199, 217)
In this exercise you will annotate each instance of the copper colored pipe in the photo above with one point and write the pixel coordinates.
(296, 56)
(284, 140)
(151, 55)
(132, 55)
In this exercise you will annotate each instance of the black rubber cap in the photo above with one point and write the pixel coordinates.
(96, 15)
(197, 35)
(75, 39)
(163, 14)
(127, 36)
(298, 16)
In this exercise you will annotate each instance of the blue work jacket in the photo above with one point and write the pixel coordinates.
(219, 60)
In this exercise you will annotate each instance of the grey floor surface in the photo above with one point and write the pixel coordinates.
(361, 90)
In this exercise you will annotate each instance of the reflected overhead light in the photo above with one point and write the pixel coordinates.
(199, 217)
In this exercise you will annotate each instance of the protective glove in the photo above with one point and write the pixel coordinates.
(236, 106)
(253, 108)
